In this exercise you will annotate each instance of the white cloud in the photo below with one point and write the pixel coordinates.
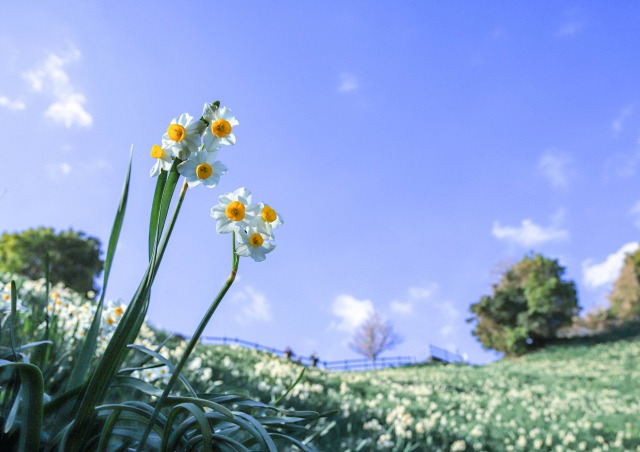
(401, 307)
(446, 330)
(252, 306)
(554, 167)
(55, 171)
(448, 309)
(11, 104)
(50, 78)
(603, 273)
(618, 123)
(348, 82)
(415, 294)
(69, 112)
(350, 311)
(528, 233)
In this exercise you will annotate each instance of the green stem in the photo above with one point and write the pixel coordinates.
(192, 343)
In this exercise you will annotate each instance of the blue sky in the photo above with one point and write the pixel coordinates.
(411, 147)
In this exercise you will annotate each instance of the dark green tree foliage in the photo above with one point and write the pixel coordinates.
(74, 257)
(527, 307)
(625, 296)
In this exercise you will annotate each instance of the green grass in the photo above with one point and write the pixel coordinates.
(578, 394)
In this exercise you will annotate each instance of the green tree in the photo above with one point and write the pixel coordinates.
(625, 296)
(526, 308)
(74, 257)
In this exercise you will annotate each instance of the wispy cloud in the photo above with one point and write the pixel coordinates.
(51, 78)
(348, 83)
(415, 295)
(56, 170)
(569, 28)
(528, 233)
(606, 272)
(574, 23)
(555, 167)
(252, 306)
(350, 312)
(618, 123)
(622, 165)
(635, 213)
(11, 104)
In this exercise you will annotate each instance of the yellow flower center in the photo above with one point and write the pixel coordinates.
(268, 214)
(256, 240)
(5, 296)
(157, 152)
(203, 171)
(235, 211)
(221, 128)
(55, 294)
(118, 311)
(110, 321)
(176, 132)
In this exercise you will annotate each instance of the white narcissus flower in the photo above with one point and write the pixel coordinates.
(183, 135)
(163, 156)
(220, 129)
(255, 242)
(234, 210)
(201, 167)
(267, 218)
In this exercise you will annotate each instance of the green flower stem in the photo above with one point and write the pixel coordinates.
(126, 332)
(192, 343)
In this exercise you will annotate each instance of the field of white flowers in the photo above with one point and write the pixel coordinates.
(581, 395)
(578, 395)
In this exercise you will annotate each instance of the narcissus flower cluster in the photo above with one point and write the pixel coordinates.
(193, 146)
(253, 223)
(194, 143)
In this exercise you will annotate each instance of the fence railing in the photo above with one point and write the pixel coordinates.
(445, 356)
(437, 354)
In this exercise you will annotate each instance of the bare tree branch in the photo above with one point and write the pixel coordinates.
(374, 336)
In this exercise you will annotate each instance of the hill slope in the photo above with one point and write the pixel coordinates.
(580, 394)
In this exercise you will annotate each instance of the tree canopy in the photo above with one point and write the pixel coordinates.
(74, 257)
(526, 308)
(625, 296)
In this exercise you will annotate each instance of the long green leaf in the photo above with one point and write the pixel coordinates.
(12, 325)
(167, 363)
(297, 380)
(140, 412)
(32, 391)
(88, 350)
(205, 403)
(155, 210)
(266, 439)
(171, 437)
(165, 201)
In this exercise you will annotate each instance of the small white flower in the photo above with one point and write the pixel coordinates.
(255, 242)
(268, 218)
(183, 135)
(220, 129)
(201, 167)
(163, 156)
(234, 210)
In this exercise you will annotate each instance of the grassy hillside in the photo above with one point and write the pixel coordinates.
(580, 394)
